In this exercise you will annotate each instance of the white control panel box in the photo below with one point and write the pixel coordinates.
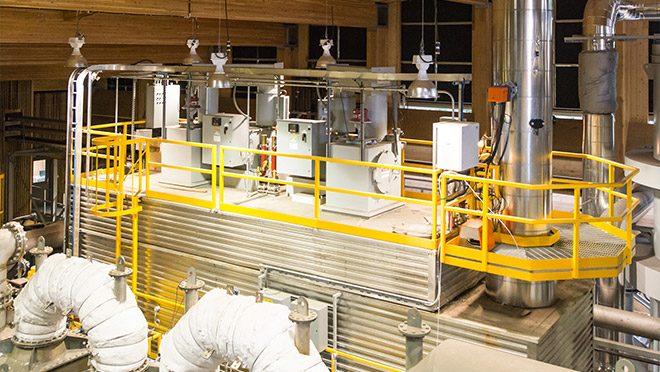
(455, 145)
(318, 332)
(225, 130)
(300, 137)
(183, 156)
(155, 101)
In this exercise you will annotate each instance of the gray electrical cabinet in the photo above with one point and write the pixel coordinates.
(225, 130)
(300, 137)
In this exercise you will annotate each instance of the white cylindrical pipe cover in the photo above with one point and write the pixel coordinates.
(223, 328)
(117, 332)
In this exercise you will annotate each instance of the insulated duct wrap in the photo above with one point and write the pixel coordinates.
(117, 332)
(597, 81)
(222, 328)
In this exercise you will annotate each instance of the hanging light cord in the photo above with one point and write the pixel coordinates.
(227, 27)
(78, 18)
(326, 19)
(421, 42)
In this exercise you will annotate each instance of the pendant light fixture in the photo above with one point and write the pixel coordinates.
(76, 59)
(218, 79)
(327, 43)
(192, 42)
(422, 87)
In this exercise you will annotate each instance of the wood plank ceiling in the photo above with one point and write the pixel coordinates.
(34, 33)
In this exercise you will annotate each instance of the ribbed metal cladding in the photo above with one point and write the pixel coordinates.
(561, 335)
(523, 55)
(169, 241)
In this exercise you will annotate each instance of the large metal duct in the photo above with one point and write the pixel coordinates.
(597, 86)
(524, 58)
(597, 89)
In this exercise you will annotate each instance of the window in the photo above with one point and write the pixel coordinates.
(350, 44)
(568, 22)
(39, 171)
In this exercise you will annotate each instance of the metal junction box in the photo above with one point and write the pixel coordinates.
(300, 137)
(375, 180)
(319, 328)
(155, 102)
(455, 145)
(225, 130)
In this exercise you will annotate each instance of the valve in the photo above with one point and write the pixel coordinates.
(414, 330)
(119, 274)
(190, 287)
(40, 252)
(303, 317)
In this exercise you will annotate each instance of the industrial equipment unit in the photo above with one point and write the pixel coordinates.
(350, 269)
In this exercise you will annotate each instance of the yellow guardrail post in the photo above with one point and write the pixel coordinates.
(221, 179)
(134, 248)
(484, 226)
(611, 195)
(147, 165)
(434, 206)
(214, 175)
(576, 232)
(629, 221)
(317, 191)
(443, 217)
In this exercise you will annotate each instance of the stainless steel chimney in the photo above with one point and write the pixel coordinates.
(524, 58)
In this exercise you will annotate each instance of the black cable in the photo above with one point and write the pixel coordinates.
(227, 27)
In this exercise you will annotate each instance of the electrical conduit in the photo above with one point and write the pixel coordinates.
(117, 332)
(222, 328)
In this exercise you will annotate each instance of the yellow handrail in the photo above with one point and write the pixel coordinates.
(359, 360)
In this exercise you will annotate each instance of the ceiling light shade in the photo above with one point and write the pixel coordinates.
(76, 58)
(422, 87)
(192, 57)
(327, 58)
(218, 78)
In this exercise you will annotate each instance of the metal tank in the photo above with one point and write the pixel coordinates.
(524, 58)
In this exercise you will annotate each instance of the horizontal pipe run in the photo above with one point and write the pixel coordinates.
(640, 354)
(627, 322)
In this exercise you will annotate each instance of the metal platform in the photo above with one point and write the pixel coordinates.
(594, 243)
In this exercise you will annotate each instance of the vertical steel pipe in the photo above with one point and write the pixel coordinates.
(524, 59)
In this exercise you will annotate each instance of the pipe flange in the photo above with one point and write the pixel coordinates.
(21, 240)
(118, 273)
(38, 344)
(41, 249)
(414, 332)
(186, 286)
(297, 317)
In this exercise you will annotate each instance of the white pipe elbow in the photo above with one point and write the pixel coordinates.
(117, 332)
(222, 328)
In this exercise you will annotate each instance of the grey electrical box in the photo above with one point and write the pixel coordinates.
(225, 130)
(155, 101)
(319, 327)
(300, 137)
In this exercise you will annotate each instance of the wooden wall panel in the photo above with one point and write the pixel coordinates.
(482, 64)
(354, 13)
(25, 26)
(632, 129)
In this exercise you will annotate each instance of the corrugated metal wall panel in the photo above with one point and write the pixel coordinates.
(174, 237)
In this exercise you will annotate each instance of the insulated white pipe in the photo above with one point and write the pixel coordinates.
(7, 249)
(222, 328)
(117, 332)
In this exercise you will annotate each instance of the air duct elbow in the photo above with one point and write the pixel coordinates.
(597, 81)
(117, 332)
(222, 328)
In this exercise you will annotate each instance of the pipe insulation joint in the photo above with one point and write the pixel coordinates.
(117, 332)
(597, 81)
(223, 328)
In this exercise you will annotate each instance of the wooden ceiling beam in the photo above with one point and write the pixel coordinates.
(32, 26)
(50, 54)
(354, 13)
